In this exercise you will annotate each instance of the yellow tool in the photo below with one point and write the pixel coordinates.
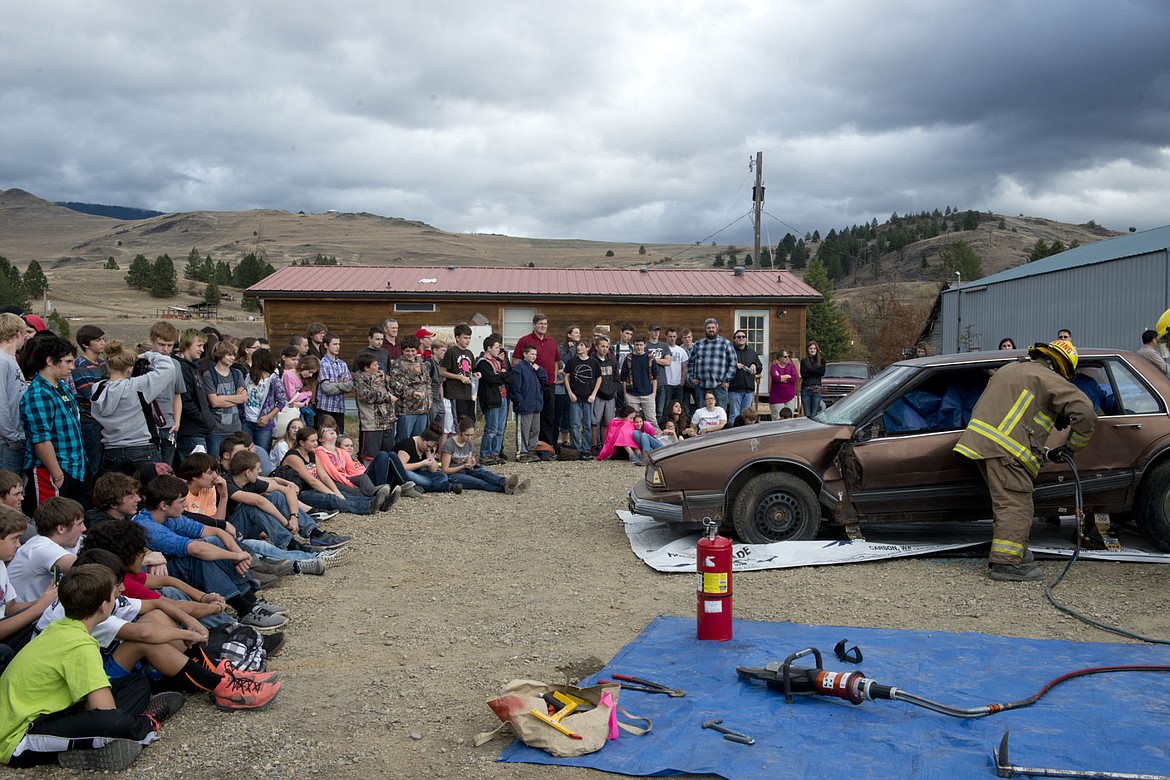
(571, 703)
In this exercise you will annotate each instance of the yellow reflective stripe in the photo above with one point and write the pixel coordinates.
(1007, 547)
(1019, 451)
(1016, 412)
(966, 451)
(1077, 440)
(1043, 420)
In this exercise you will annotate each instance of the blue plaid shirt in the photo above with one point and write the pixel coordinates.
(712, 361)
(332, 370)
(50, 414)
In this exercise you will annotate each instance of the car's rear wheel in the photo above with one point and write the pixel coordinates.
(776, 507)
(1153, 506)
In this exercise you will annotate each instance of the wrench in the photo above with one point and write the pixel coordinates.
(734, 736)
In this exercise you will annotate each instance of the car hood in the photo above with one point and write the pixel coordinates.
(796, 429)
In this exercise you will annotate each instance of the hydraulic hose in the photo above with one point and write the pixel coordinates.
(1080, 516)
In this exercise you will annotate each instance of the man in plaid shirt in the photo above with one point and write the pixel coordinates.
(54, 454)
(335, 382)
(712, 363)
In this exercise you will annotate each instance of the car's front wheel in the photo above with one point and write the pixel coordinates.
(1153, 506)
(776, 507)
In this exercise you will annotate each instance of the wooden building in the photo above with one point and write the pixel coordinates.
(769, 305)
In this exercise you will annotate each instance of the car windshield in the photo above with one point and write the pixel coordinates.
(852, 408)
(845, 371)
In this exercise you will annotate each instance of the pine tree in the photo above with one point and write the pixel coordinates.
(826, 324)
(223, 273)
(138, 277)
(58, 324)
(164, 282)
(35, 282)
(765, 258)
(194, 268)
(211, 294)
(12, 291)
(642, 250)
(251, 270)
(111, 264)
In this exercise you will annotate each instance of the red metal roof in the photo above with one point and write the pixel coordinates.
(374, 281)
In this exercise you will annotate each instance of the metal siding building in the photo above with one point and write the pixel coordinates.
(1106, 293)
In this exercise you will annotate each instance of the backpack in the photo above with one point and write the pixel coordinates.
(545, 451)
(241, 645)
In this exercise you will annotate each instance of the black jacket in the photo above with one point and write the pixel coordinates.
(743, 382)
(197, 419)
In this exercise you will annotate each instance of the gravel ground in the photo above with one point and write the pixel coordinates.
(391, 657)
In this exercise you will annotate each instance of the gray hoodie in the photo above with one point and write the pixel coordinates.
(117, 408)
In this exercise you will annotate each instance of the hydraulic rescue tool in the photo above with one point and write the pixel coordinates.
(855, 687)
(1004, 768)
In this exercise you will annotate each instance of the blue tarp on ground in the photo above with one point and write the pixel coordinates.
(1115, 722)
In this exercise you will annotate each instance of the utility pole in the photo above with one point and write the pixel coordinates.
(758, 204)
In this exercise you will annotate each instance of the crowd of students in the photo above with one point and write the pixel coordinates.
(150, 492)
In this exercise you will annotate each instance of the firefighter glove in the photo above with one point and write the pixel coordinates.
(1060, 453)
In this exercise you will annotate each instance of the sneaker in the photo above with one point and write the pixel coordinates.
(119, 754)
(225, 668)
(528, 457)
(329, 540)
(456, 488)
(391, 497)
(323, 515)
(310, 566)
(379, 498)
(262, 619)
(236, 692)
(587, 456)
(272, 566)
(335, 556)
(1004, 572)
(163, 705)
(522, 485)
(410, 490)
(268, 605)
(262, 579)
(273, 643)
(636, 461)
(510, 484)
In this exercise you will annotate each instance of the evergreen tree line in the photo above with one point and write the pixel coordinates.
(247, 272)
(17, 289)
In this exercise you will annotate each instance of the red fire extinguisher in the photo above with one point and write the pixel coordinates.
(713, 562)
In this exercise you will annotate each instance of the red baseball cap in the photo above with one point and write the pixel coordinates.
(423, 333)
(35, 322)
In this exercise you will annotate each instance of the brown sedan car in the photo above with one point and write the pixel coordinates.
(883, 455)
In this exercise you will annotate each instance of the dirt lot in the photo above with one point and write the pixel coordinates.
(391, 657)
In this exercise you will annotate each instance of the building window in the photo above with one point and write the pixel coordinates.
(424, 307)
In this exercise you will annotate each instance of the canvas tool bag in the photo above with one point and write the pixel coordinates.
(516, 701)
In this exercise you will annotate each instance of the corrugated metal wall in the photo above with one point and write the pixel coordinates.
(1105, 305)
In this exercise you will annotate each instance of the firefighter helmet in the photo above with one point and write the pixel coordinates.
(1062, 353)
(1163, 326)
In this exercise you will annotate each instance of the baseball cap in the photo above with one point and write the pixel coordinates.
(35, 322)
(423, 333)
(655, 326)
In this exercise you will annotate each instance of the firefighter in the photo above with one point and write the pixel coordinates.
(1009, 426)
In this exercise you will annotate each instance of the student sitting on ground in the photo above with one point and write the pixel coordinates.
(417, 457)
(12, 494)
(173, 643)
(317, 488)
(56, 702)
(461, 467)
(202, 556)
(17, 618)
(282, 445)
(260, 508)
(50, 553)
(351, 477)
(648, 442)
(620, 434)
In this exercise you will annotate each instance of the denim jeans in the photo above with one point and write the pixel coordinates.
(357, 505)
(412, 425)
(185, 445)
(430, 482)
(581, 425)
(479, 478)
(210, 621)
(129, 459)
(261, 437)
(737, 401)
(646, 442)
(251, 521)
(213, 442)
(494, 423)
(218, 576)
(263, 549)
(12, 458)
(811, 403)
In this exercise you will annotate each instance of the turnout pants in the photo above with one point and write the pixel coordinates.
(1010, 486)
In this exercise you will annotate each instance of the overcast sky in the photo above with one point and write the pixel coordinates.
(622, 120)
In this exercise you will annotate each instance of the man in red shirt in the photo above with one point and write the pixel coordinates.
(546, 358)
